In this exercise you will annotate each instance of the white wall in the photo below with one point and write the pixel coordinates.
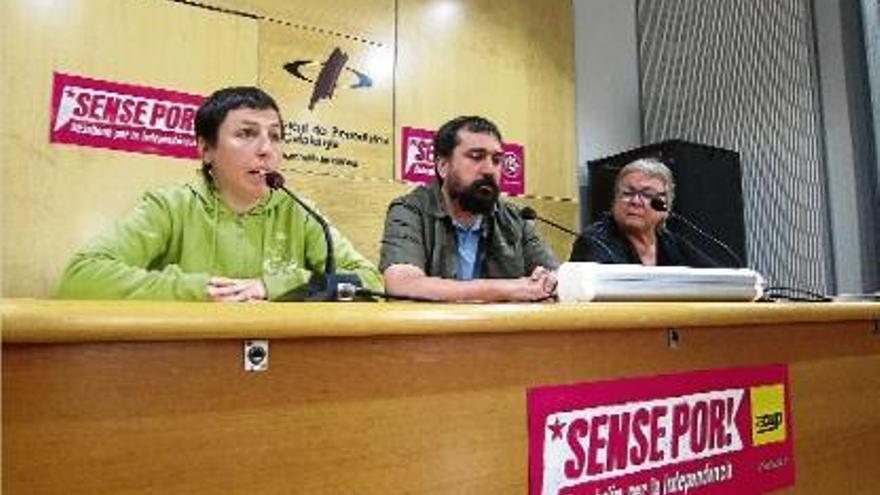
(846, 114)
(607, 81)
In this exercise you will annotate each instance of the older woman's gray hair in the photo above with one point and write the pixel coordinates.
(649, 167)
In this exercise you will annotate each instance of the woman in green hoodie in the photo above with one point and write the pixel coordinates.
(227, 237)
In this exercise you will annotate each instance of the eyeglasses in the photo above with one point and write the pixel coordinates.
(643, 194)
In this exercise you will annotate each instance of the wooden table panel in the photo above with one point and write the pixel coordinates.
(400, 412)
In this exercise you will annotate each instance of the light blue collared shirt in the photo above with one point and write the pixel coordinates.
(468, 248)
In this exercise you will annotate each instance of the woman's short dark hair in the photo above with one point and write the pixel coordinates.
(213, 111)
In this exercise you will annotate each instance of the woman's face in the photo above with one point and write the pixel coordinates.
(632, 209)
(248, 145)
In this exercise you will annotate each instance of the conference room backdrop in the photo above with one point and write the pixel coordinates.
(741, 78)
(397, 63)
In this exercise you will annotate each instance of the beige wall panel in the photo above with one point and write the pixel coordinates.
(55, 197)
(511, 61)
(371, 20)
(354, 206)
(357, 122)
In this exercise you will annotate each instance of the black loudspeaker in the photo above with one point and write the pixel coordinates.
(708, 191)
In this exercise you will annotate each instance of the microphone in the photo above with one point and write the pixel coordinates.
(334, 287)
(529, 213)
(658, 204)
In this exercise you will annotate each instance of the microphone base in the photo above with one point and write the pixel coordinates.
(336, 287)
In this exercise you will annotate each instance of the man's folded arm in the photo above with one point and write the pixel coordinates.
(410, 280)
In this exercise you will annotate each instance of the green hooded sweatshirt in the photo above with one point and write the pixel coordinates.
(180, 236)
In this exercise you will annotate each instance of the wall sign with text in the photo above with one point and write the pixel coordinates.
(725, 432)
(105, 114)
(417, 161)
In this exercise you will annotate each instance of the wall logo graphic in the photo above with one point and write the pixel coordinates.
(332, 70)
(106, 114)
(512, 166)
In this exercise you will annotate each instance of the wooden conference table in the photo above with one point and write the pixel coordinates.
(128, 397)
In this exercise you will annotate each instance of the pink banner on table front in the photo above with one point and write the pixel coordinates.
(105, 114)
(723, 432)
(417, 161)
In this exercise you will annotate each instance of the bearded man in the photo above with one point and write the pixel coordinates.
(455, 239)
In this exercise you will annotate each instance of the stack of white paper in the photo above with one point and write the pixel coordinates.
(597, 282)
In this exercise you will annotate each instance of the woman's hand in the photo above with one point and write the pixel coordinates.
(223, 289)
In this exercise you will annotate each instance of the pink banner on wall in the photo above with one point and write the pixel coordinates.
(417, 161)
(725, 432)
(105, 114)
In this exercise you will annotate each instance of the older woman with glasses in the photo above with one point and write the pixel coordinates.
(634, 231)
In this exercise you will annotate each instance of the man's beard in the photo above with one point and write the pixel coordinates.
(479, 197)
